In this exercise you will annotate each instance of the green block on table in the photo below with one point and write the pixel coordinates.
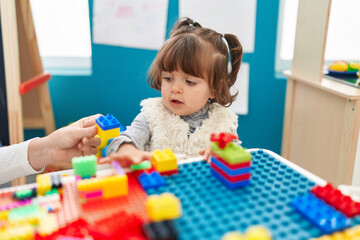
(232, 153)
(142, 165)
(24, 212)
(52, 191)
(23, 194)
(84, 166)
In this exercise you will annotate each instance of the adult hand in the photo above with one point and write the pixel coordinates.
(65, 143)
(127, 155)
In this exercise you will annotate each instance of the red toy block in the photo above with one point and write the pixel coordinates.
(231, 166)
(118, 226)
(335, 198)
(169, 173)
(222, 139)
(137, 173)
(231, 179)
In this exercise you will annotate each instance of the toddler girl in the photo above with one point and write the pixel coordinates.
(194, 74)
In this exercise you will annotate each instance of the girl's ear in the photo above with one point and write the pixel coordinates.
(212, 94)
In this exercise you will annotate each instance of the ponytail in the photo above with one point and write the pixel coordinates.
(236, 52)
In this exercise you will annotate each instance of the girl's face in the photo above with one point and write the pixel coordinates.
(184, 94)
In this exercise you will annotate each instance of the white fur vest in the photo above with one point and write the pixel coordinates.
(170, 131)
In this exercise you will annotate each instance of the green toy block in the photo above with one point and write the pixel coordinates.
(85, 166)
(232, 153)
(142, 165)
(24, 194)
(25, 212)
(52, 191)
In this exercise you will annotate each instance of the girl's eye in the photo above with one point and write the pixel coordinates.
(191, 83)
(167, 78)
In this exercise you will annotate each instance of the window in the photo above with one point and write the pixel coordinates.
(63, 34)
(343, 33)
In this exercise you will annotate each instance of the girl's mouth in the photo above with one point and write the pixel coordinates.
(175, 101)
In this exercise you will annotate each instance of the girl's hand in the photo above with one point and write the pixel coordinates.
(206, 154)
(127, 155)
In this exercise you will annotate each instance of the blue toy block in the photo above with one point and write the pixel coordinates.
(318, 212)
(152, 180)
(107, 122)
(229, 184)
(229, 171)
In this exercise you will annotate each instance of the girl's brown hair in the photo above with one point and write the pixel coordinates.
(200, 52)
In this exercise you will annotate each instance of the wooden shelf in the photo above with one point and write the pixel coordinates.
(329, 85)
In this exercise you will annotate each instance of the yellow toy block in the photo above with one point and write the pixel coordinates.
(4, 215)
(47, 224)
(163, 207)
(115, 186)
(252, 233)
(90, 184)
(44, 183)
(257, 233)
(164, 161)
(107, 134)
(350, 233)
(103, 144)
(234, 235)
(21, 232)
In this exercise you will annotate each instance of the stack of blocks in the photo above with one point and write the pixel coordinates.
(229, 162)
(164, 162)
(108, 128)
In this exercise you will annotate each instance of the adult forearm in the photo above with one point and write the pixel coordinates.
(39, 153)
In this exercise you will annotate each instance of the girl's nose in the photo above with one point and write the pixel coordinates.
(176, 87)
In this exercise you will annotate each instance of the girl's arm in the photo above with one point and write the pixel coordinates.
(129, 147)
(137, 134)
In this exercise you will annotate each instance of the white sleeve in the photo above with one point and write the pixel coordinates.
(14, 162)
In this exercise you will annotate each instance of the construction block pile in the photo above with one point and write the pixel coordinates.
(230, 163)
(53, 209)
(18, 220)
(108, 128)
(106, 187)
(327, 208)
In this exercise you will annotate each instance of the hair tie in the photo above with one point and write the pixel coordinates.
(228, 53)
